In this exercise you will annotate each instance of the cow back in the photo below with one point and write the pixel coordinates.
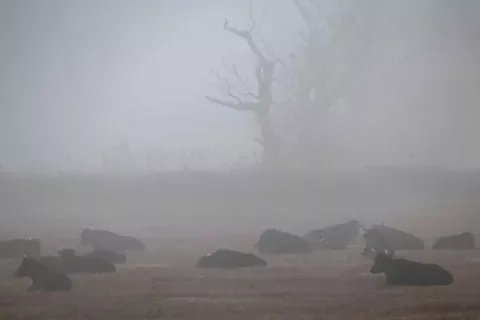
(19, 247)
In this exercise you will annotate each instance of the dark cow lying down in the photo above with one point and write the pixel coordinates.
(107, 240)
(336, 237)
(43, 278)
(112, 257)
(461, 241)
(274, 241)
(80, 264)
(387, 239)
(224, 258)
(404, 272)
(69, 262)
(377, 242)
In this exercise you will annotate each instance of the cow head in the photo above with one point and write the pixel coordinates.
(382, 261)
(85, 237)
(26, 268)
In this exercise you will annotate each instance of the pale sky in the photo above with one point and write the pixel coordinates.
(77, 77)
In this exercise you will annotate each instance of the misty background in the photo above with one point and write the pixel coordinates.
(91, 91)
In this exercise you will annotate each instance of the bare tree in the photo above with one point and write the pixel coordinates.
(259, 102)
(331, 46)
(319, 69)
(326, 66)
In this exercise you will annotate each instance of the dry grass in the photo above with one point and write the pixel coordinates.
(323, 285)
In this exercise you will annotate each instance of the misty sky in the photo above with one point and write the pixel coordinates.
(78, 77)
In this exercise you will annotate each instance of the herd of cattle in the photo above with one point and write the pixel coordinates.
(50, 273)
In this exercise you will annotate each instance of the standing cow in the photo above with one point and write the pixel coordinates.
(404, 272)
(43, 278)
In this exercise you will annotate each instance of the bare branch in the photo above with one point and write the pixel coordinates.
(252, 18)
(266, 46)
(236, 73)
(244, 106)
(249, 94)
(239, 78)
(225, 64)
(305, 14)
(264, 73)
(247, 35)
(260, 142)
(221, 79)
(231, 95)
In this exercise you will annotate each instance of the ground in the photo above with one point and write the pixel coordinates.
(164, 284)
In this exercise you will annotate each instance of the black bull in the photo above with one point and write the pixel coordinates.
(461, 241)
(274, 241)
(69, 262)
(43, 278)
(410, 273)
(388, 239)
(336, 237)
(106, 240)
(227, 259)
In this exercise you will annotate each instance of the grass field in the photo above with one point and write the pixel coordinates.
(322, 285)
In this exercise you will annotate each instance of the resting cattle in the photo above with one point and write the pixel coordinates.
(66, 253)
(18, 247)
(54, 263)
(274, 241)
(106, 240)
(336, 237)
(410, 273)
(461, 241)
(376, 242)
(387, 239)
(72, 263)
(43, 278)
(227, 259)
(112, 257)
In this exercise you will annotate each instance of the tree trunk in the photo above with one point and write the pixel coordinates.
(270, 142)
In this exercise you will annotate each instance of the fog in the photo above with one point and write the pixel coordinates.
(104, 117)
(80, 77)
